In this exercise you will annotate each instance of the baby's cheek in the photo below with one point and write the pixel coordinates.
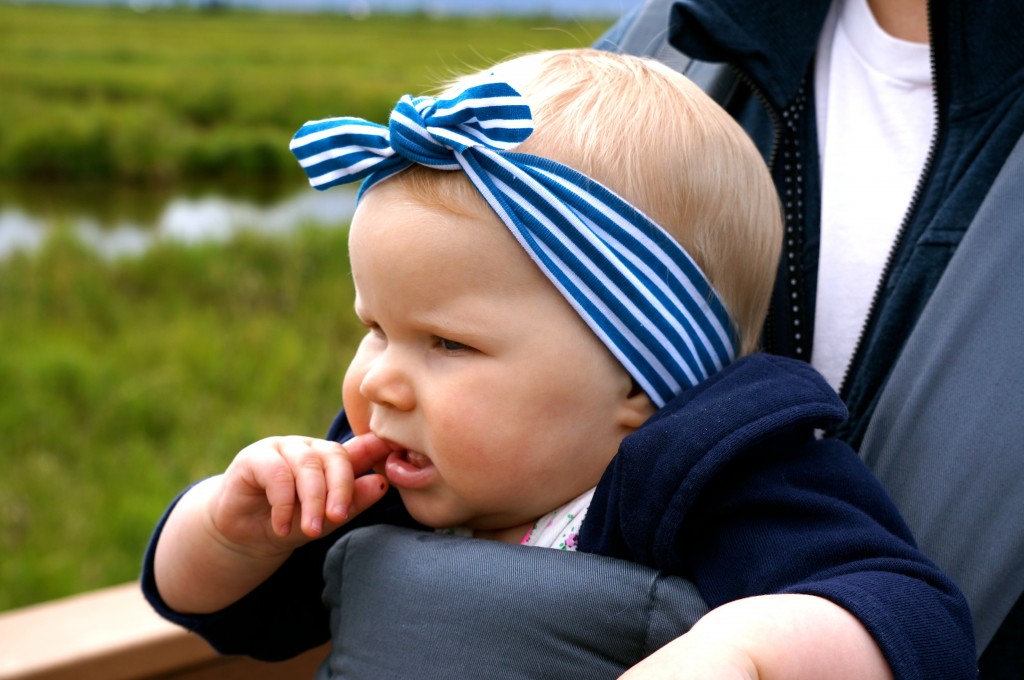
(462, 428)
(357, 407)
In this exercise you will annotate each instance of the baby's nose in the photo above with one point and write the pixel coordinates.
(387, 383)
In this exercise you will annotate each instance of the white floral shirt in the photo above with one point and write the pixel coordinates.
(560, 528)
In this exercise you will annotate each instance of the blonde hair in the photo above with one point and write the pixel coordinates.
(653, 137)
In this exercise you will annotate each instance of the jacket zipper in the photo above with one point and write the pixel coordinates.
(768, 332)
(873, 308)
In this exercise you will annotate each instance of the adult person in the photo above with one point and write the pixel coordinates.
(892, 129)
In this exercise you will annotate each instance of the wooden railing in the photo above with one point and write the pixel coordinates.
(113, 634)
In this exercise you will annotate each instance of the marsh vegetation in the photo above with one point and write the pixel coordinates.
(122, 379)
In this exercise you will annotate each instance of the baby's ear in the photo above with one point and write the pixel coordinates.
(635, 408)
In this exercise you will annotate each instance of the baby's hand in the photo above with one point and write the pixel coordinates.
(282, 492)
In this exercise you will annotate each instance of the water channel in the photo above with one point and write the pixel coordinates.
(119, 222)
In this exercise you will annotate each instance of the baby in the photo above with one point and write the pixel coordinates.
(563, 265)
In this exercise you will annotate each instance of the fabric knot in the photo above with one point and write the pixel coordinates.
(430, 131)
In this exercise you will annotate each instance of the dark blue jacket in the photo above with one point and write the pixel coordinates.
(978, 70)
(978, 67)
(727, 486)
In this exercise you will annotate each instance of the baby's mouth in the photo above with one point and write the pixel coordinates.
(409, 469)
(417, 459)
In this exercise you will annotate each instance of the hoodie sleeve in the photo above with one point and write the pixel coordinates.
(808, 520)
(731, 489)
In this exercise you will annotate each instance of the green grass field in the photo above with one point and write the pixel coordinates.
(165, 95)
(122, 381)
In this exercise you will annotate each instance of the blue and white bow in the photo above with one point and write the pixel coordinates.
(637, 289)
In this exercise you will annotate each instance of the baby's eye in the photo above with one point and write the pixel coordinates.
(451, 345)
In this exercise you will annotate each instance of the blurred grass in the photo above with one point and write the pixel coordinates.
(110, 93)
(122, 381)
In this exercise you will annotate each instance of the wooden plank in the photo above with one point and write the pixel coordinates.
(113, 634)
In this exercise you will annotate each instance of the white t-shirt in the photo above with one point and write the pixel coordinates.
(875, 124)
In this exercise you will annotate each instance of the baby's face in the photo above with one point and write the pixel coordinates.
(500, 402)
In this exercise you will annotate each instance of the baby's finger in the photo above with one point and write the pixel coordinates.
(308, 463)
(365, 451)
(278, 482)
(339, 475)
(367, 490)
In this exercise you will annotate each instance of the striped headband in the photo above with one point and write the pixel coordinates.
(637, 289)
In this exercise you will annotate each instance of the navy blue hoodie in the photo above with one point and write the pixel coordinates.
(727, 486)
